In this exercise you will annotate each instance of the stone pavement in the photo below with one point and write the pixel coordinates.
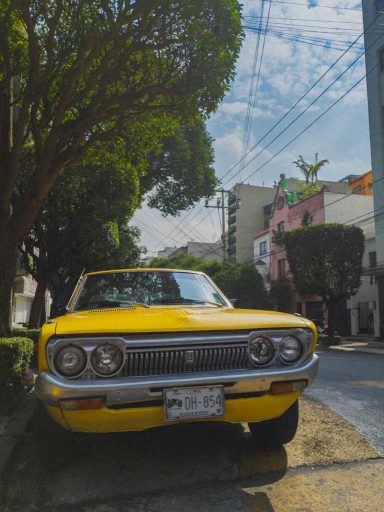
(360, 345)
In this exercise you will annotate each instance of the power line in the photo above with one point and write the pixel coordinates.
(302, 113)
(252, 85)
(329, 44)
(299, 100)
(322, 6)
(310, 125)
(308, 20)
(286, 114)
(253, 92)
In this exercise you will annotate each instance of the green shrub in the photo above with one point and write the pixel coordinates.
(328, 340)
(32, 334)
(15, 358)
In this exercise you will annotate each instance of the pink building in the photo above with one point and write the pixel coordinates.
(323, 207)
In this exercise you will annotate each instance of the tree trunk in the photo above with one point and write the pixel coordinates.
(8, 268)
(38, 304)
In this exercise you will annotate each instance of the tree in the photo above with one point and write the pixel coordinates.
(82, 225)
(310, 171)
(73, 74)
(326, 260)
(99, 195)
(243, 283)
(189, 262)
(181, 172)
(304, 190)
(240, 282)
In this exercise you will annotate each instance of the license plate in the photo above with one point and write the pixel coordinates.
(189, 403)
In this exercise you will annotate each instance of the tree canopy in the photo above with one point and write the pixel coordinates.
(326, 260)
(181, 172)
(73, 74)
(240, 282)
(82, 225)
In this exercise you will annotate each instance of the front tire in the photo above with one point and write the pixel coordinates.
(278, 431)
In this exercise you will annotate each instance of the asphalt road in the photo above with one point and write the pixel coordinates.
(352, 384)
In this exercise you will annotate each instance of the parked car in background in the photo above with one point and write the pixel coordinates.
(146, 348)
(319, 326)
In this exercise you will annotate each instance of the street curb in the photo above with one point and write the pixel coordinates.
(13, 430)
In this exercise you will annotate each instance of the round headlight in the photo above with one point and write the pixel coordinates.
(261, 351)
(70, 361)
(106, 359)
(290, 349)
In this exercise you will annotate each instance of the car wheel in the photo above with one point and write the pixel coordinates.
(278, 431)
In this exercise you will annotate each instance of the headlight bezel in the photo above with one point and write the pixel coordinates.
(87, 345)
(304, 336)
(286, 361)
(96, 370)
(68, 348)
(267, 342)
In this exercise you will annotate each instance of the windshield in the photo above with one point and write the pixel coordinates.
(124, 289)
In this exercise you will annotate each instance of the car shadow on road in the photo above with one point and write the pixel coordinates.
(70, 468)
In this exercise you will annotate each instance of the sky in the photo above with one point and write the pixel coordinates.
(303, 39)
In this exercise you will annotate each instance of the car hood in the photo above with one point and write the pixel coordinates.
(173, 319)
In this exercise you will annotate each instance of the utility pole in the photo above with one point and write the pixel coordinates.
(220, 205)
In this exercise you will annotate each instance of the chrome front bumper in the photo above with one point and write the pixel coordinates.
(118, 391)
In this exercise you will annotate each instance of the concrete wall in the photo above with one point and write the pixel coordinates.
(206, 251)
(354, 209)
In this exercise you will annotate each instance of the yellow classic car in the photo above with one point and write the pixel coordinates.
(142, 348)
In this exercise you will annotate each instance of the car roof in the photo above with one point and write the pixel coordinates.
(143, 270)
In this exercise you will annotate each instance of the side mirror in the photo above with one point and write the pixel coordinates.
(58, 310)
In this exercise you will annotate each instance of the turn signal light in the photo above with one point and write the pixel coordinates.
(278, 388)
(82, 403)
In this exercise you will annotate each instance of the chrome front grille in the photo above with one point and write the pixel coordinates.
(174, 360)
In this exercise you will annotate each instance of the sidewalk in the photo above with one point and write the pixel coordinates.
(360, 345)
(12, 429)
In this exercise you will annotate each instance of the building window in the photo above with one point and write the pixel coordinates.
(280, 202)
(281, 269)
(379, 6)
(263, 248)
(372, 259)
(281, 227)
(381, 58)
(307, 219)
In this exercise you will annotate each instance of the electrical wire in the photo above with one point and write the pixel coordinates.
(252, 85)
(287, 113)
(253, 92)
(302, 97)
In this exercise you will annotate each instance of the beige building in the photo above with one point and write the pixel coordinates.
(246, 216)
(205, 250)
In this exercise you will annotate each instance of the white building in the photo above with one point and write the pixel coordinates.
(373, 17)
(261, 255)
(364, 306)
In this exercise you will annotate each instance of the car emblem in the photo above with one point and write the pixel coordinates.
(189, 357)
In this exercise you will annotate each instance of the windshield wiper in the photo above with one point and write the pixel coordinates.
(116, 304)
(188, 300)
